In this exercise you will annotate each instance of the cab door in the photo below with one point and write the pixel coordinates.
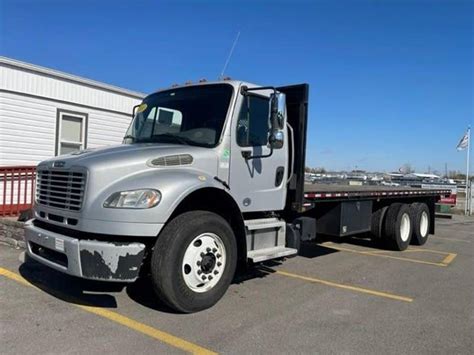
(257, 184)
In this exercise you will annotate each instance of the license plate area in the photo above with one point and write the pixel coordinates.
(49, 254)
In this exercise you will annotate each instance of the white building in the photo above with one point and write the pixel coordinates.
(44, 112)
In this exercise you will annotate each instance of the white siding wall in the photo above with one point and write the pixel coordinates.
(106, 128)
(28, 122)
(17, 79)
(28, 128)
(29, 100)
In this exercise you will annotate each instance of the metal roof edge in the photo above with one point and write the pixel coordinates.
(69, 77)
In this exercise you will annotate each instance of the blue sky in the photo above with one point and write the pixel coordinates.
(391, 81)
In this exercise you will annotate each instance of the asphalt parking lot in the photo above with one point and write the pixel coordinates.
(341, 296)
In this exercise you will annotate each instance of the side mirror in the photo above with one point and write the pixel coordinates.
(276, 139)
(277, 119)
(278, 110)
(277, 114)
(135, 110)
(129, 138)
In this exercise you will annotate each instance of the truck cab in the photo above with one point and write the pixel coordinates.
(215, 157)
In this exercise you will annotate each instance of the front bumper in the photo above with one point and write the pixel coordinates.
(88, 259)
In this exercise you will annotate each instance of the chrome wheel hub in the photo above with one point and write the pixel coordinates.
(405, 227)
(204, 262)
(424, 222)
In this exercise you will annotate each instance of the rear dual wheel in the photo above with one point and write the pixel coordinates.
(420, 216)
(377, 223)
(398, 226)
(404, 224)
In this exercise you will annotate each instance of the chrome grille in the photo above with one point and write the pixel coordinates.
(61, 189)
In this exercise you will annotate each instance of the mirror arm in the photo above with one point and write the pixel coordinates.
(245, 89)
(247, 155)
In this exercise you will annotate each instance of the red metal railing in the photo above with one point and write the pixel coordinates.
(17, 189)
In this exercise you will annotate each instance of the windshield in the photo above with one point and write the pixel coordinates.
(190, 115)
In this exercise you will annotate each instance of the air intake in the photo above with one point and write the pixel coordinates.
(173, 160)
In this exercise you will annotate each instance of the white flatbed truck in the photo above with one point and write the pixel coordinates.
(210, 177)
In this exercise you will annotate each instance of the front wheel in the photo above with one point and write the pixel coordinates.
(194, 261)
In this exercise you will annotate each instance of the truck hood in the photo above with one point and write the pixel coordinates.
(116, 167)
(135, 166)
(132, 157)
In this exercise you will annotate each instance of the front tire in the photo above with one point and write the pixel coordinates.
(398, 226)
(194, 261)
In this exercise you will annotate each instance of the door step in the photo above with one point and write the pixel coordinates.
(263, 223)
(260, 255)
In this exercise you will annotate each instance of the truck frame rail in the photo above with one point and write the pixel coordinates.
(317, 192)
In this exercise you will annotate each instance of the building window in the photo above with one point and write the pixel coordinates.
(71, 132)
(253, 124)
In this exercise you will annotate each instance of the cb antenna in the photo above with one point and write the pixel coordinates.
(229, 56)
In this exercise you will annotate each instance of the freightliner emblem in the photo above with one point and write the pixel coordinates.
(59, 164)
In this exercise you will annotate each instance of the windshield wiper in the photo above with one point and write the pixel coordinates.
(183, 140)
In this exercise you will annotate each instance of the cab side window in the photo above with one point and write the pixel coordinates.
(253, 123)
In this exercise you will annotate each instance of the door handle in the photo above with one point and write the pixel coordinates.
(280, 172)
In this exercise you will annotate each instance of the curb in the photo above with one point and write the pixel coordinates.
(17, 244)
(12, 233)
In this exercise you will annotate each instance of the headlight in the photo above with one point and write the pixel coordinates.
(139, 199)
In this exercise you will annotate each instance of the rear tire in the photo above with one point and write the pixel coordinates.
(194, 246)
(376, 230)
(398, 226)
(420, 217)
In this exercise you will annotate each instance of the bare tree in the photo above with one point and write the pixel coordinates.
(406, 169)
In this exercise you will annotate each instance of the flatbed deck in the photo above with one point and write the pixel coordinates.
(336, 191)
